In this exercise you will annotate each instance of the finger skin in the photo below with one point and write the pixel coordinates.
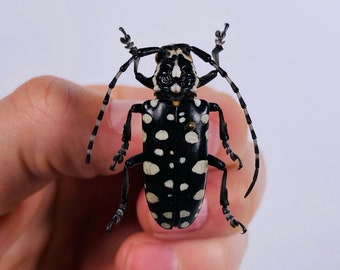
(144, 252)
(36, 119)
(52, 200)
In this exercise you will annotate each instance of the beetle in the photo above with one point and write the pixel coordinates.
(175, 128)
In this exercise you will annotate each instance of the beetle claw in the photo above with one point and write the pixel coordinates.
(119, 157)
(233, 222)
(235, 157)
(115, 220)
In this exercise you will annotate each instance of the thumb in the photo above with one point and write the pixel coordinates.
(45, 126)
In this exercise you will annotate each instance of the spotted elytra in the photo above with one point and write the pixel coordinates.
(175, 127)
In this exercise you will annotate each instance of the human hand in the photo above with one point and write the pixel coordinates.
(54, 208)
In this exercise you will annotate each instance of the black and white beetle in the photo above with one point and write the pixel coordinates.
(175, 134)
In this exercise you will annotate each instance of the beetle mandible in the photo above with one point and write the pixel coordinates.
(175, 124)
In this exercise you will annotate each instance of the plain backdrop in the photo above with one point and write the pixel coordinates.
(283, 55)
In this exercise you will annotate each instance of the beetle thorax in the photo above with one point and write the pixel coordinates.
(175, 74)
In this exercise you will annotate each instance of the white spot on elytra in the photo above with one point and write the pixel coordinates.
(191, 137)
(144, 136)
(170, 117)
(197, 102)
(205, 118)
(165, 225)
(167, 214)
(171, 152)
(182, 160)
(184, 213)
(151, 197)
(182, 120)
(171, 165)
(169, 184)
(150, 168)
(154, 215)
(181, 113)
(184, 225)
(200, 167)
(183, 186)
(154, 102)
(162, 135)
(199, 195)
(159, 152)
(147, 118)
(207, 134)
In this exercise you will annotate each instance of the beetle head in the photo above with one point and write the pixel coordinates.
(175, 72)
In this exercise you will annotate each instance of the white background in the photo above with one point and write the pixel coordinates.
(284, 56)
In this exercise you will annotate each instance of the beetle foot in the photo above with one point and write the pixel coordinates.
(233, 222)
(232, 155)
(235, 157)
(119, 157)
(115, 220)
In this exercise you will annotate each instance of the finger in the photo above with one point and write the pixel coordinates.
(141, 251)
(45, 125)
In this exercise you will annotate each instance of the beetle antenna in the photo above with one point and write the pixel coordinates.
(214, 62)
(128, 42)
(219, 41)
(250, 125)
(104, 104)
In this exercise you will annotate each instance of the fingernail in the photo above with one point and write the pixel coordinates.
(152, 257)
(213, 145)
(202, 216)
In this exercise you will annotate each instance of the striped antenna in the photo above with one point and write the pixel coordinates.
(249, 122)
(102, 109)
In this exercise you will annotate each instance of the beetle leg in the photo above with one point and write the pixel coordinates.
(115, 220)
(232, 155)
(126, 137)
(146, 81)
(119, 157)
(219, 164)
(206, 58)
(207, 78)
(224, 136)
